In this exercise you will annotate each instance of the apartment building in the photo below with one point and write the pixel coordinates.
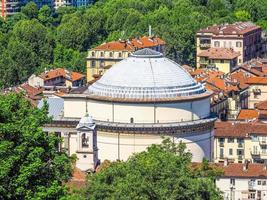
(11, 7)
(221, 58)
(243, 181)
(238, 142)
(57, 77)
(105, 55)
(243, 38)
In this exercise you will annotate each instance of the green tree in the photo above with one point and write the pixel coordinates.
(162, 172)
(31, 167)
(45, 15)
(30, 10)
(242, 15)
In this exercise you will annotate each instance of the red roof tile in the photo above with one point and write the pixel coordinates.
(131, 45)
(257, 80)
(238, 28)
(246, 114)
(219, 53)
(60, 72)
(239, 130)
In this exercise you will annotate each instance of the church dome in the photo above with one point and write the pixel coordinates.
(146, 75)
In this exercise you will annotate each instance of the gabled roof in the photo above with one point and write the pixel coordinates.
(61, 72)
(131, 45)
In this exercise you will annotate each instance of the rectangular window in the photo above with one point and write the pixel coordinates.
(221, 153)
(221, 140)
(217, 44)
(238, 44)
(222, 61)
(254, 138)
(232, 181)
(259, 182)
(263, 182)
(230, 152)
(231, 140)
(93, 64)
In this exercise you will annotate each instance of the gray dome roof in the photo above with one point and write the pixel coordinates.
(146, 75)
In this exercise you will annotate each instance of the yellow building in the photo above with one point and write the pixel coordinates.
(242, 37)
(105, 55)
(238, 142)
(222, 58)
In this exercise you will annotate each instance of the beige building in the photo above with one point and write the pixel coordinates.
(221, 58)
(238, 142)
(243, 37)
(57, 77)
(102, 57)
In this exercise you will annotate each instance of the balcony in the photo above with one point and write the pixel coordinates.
(263, 142)
(251, 185)
(255, 153)
(204, 45)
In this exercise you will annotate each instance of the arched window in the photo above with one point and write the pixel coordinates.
(102, 54)
(120, 55)
(93, 54)
(85, 140)
(110, 54)
(131, 120)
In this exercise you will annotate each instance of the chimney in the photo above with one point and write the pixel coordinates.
(225, 162)
(245, 165)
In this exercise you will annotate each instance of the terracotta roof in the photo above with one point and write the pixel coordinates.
(219, 53)
(239, 130)
(257, 80)
(31, 91)
(238, 28)
(246, 114)
(131, 45)
(61, 72)
(262, 105)
(253, 170)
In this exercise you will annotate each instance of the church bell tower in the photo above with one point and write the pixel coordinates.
(87, 155)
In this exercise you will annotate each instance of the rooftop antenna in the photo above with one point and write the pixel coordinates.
(149, 31)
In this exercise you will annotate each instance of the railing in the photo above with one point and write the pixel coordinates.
(255, 153)
(204, 45)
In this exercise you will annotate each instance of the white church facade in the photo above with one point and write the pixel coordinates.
(133, 105)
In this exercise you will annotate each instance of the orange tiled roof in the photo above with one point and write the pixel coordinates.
(257, 80)
(31, 91)
(239, 130)
(247, 114)
(60, 72)
(131, 45)
(253, 170)
(238, 28)
(219, 53)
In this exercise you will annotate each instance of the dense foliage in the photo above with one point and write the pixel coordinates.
(162, 172)
(33, 40)
(30, 165)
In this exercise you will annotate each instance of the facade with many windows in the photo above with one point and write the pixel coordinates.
(105, 55)
(242, 37)
(238, 142)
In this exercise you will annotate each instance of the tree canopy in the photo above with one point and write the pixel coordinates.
(31, 167)
(75, 30)
(162, 172)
